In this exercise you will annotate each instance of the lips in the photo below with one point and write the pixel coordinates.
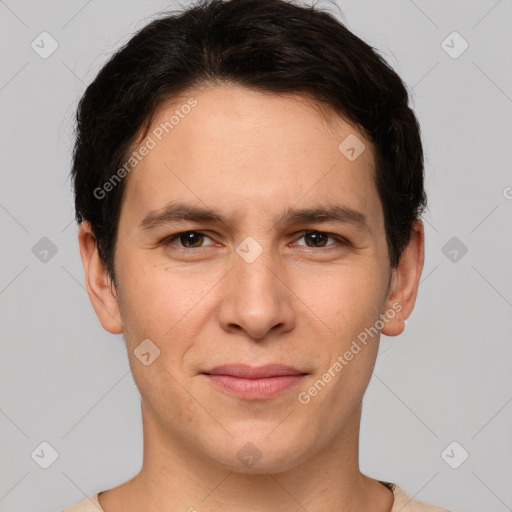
(248, 372)
(254, 383)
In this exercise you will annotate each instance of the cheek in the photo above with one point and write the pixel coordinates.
(169, 308)
(346, 300)
(350, 304)
(156, 308)
(155, 300)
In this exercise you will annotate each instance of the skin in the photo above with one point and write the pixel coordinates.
(251, 156)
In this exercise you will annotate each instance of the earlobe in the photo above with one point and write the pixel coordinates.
(100, 288)
(405, 282)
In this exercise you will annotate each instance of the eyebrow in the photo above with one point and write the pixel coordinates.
(176, 212)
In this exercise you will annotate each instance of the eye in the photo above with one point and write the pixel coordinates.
(187, 239)
(320, 238)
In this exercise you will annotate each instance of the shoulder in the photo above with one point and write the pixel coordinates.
(404, 503)
(90, 504)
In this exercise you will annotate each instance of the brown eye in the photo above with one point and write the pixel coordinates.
(187, 239)
(191, 239)
(316, 238)
(320, 239)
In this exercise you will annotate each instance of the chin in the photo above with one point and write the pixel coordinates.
(259, 453)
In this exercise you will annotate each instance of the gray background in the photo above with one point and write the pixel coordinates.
(447, 378)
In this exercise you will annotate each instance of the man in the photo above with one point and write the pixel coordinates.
(249, 183)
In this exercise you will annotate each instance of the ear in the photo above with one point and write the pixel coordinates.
(404, 282)
(98, 283)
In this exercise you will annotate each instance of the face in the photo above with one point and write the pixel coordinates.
(248, 237)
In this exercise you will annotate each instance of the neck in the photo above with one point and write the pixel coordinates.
(175, 476)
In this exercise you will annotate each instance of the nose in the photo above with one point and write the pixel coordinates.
(256, 299)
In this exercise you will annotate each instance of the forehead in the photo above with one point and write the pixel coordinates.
(240, 149)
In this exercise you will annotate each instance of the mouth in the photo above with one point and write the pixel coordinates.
(254, 383)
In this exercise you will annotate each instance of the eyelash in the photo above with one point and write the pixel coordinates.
(167, 242)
